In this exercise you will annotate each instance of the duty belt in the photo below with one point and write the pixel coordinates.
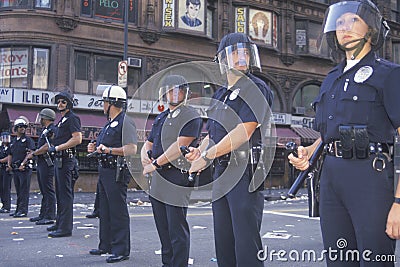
(334, 148)
(67, 153)
(237, 155)
(108, 161)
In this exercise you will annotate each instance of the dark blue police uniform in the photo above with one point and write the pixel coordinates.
(114, 217)
(5, 181)
(45, 174)
(22, 179)
(63, 171)
(237, 213)
(169, 202)
(356, 194)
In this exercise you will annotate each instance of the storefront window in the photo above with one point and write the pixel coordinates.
(17, 71)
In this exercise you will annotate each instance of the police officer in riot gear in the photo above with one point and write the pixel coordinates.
(67, 136)
(45, 168)
(357, 115)
(179, 125)
(5, 176)
(236, 115)
(20, 146)
(114, 177)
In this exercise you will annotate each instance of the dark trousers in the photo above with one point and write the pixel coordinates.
(5, 188)
(114, 217)
(237, 223)
(173, 230)
(22, 182)
(96, 200)
(65, 195)
(45, 176)
(354, 204)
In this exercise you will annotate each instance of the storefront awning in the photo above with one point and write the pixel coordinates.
(307, 135)
(285, 135)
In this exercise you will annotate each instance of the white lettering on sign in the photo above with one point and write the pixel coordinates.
(13, 64)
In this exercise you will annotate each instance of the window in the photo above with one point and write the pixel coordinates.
(193, 16)
(260, 25)
(395, 7)
(39, 4)
(94, 69)
(396, 53)
(43, 3)
(110, 9)
(303, 99)
(24, 67)
(309, 39)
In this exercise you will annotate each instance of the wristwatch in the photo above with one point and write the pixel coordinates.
(204, 156)
(154, 162)
(397, 200)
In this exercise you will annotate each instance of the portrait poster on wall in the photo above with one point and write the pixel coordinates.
(262, 27)
(191, 15)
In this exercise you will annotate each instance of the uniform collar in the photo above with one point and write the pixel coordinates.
(366, 60)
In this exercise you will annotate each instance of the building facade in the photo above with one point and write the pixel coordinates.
(47, 44)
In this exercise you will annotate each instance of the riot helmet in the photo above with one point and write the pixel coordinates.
(47, 114)
(21, 121)
(115, 95)
(174, 90)
(5, 137)
(237, 51)
(67, 96)
(344, 16)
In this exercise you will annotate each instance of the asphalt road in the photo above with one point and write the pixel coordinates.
(290, 237)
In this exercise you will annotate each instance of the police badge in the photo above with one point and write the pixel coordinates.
(234, 94)
(363, 74)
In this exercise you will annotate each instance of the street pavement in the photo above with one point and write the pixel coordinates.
(290, 237)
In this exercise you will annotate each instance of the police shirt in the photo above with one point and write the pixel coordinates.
(169, 125)
(19, 147)
(249, 100)
(3, 153)
(42, 139)
(121, 130)
(67, 125)
(366, 94)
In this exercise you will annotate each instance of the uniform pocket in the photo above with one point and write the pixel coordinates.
(357, 104)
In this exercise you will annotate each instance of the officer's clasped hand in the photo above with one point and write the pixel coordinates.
(52, 150)
(300, 162)
(193, 154)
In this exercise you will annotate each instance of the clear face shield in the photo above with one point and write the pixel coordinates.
(5, 138)
(173, 95)
(356, 18)
(241, 57)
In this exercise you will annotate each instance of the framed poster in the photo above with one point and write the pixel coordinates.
(260, 26)
(191, 15)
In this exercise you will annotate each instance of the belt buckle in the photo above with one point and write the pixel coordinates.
(335, 145)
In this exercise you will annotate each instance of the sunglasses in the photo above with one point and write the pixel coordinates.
(62, 101)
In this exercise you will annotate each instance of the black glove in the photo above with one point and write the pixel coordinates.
(52, 150)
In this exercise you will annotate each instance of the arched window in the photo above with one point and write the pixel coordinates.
(276, 105)
(303, 99)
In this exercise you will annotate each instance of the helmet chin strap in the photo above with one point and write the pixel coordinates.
(358, 47)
